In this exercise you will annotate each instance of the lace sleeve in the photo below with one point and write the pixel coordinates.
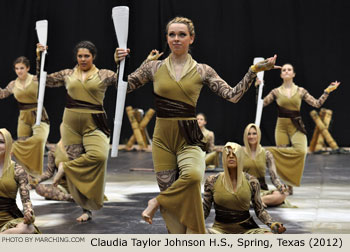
(109, 77)
(7, 91)
(221, 88)
(208, 195)
(270, 97)
(50, 169)
(143, 74)
(311, 100)
(58, 79)
(270, 163)
(21, 178)
(260, 211)
(211, 141)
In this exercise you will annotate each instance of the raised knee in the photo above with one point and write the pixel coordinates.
(194, 176)
(98, 156)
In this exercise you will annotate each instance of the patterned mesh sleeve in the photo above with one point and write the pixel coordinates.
(311, 100)
(7, 91)
(211, 140)
(21, 178)
(221, 88)
(109, 77)
(259, 209)
(58, 79)
(208, 195)
(143, 74)
(270, 97)
(50, 169)
(270, 163)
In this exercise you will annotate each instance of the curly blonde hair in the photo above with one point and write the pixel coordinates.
(182, 20)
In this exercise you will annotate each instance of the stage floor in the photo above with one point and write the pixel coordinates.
(323, 200)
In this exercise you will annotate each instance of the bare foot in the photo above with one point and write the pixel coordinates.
(84, 217)
(151, 209)
(58, 175)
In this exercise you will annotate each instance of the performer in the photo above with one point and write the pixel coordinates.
(232, 191)
(212, 152)
(177, 140)
(13, 178)
(60, 192)
(85, 133)
(29, 148)
(255, 162)
(290, 129)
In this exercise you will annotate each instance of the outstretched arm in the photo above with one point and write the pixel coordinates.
(317, 103)
(21, 178)
(7, 91)
(144, 73)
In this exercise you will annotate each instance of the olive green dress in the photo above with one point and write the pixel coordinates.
(29, 148)
(232, 205)
(178, 162)
(86, 142)
(291, 149)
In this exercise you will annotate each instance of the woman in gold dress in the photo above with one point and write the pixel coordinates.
(13, 178)
(256, 161)
(29, 148)
(177, 147)
(232, 191)
(290, 133)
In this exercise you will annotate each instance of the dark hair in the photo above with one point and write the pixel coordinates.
(24, 60)
(86, 45)
(204, 116)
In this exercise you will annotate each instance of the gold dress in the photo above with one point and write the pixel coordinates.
(84, 132)
(291, 142)
(13, 179)
(29, 148)
(263, 160)
(232, 205)
(177, 140)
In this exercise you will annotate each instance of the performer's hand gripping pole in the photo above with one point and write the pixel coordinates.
(260, 101)
(120, 17)
(41, 30)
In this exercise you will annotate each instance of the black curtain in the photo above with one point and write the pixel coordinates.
(311, 35)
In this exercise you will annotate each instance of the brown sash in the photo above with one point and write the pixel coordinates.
(225, 215)
(294, 116)
(100, 118)
(189, 129)
(10, 206)
(25, 106)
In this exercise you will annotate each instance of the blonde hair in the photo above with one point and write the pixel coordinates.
(182, 20)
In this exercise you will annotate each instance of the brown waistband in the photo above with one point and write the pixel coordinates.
(286, 113)
(294, 116)
(72, 103)
(168, 108)
(25, 106)
(226, 215)
(9, 205)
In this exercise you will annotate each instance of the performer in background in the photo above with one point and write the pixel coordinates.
(60, 192)
(29, 148)
(255, 162)
(178, 145)
(13, 178)
(212, 152)
(290, 130)
(84, 132)
(231, 192)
